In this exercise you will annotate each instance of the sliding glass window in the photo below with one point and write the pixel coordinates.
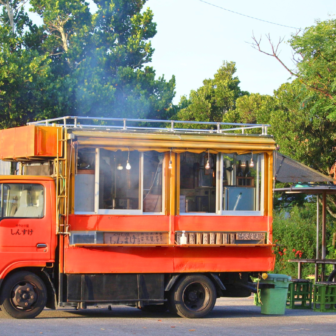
(198, 183)
(221, 184)
(241, 184)
(129, 182)
(153, 182)
(119, 180)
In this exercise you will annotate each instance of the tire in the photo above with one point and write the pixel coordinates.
(23, 295)
(194, 296)
(158, 309)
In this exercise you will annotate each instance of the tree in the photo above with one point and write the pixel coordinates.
(303, 130)
(315, 58)
(12, 11)
(79, 63)
(214, 99)
(106, 55)
(28, 89)
(67, 27)
(299, 122)
(300, 126)
(252, 109)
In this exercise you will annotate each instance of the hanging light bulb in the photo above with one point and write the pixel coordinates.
(170, 166)
(120, 167)
(207, 165)
(251, 161)
(243, 164)
(128, 166)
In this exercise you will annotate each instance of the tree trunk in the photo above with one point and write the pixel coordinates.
(10, 15)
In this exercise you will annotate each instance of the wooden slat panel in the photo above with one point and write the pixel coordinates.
(222, 223)
(138, 238)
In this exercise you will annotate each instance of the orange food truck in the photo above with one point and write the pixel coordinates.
(147, 213)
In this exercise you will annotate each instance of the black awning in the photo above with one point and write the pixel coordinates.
(289, 170)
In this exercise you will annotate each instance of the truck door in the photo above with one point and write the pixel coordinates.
(25, 226)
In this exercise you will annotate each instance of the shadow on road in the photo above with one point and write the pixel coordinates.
(239, 311)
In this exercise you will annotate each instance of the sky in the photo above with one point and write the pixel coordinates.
(194, 38)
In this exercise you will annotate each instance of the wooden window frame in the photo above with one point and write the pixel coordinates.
(139, 211)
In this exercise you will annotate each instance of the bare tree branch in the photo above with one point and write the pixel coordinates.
(23, 2)
(275, 54)
(331, 213)
(13, 12)
(58, 26)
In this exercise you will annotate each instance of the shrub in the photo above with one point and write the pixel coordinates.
(294, 232)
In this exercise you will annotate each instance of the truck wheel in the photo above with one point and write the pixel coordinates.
(194, 296)
(24, 295)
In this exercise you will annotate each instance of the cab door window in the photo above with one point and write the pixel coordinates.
(22, 200)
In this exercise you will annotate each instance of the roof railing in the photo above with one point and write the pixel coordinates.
(124, 124)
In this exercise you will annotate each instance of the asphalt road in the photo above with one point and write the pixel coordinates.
(230, 317)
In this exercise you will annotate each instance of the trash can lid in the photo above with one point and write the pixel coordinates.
(277, 277)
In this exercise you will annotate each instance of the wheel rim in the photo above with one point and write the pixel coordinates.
(24, 296)
(196, 296)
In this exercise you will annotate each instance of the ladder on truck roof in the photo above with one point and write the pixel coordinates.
(144, 124)
(62, 180)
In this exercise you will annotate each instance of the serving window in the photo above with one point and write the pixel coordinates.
(198, 183)
(124, 181)
(221, 184)
(119, 182)
(130, 182)
(153, 182)
(241, 182)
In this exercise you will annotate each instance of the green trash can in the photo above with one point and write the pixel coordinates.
(273, 300)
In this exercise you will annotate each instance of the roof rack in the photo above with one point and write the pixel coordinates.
(128, 124)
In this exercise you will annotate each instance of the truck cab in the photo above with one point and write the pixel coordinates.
(27, 230)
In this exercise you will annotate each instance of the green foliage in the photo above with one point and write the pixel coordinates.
(252, 109)
(282, 201)
(299, 123)
(79, 63)
(294, 232)
(28, 88)
(112, 80)
(303, 129)
(316, 53)
(214, 99)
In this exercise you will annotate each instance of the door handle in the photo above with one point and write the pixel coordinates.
(41, 245)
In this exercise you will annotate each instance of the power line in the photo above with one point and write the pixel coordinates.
(250, 17)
